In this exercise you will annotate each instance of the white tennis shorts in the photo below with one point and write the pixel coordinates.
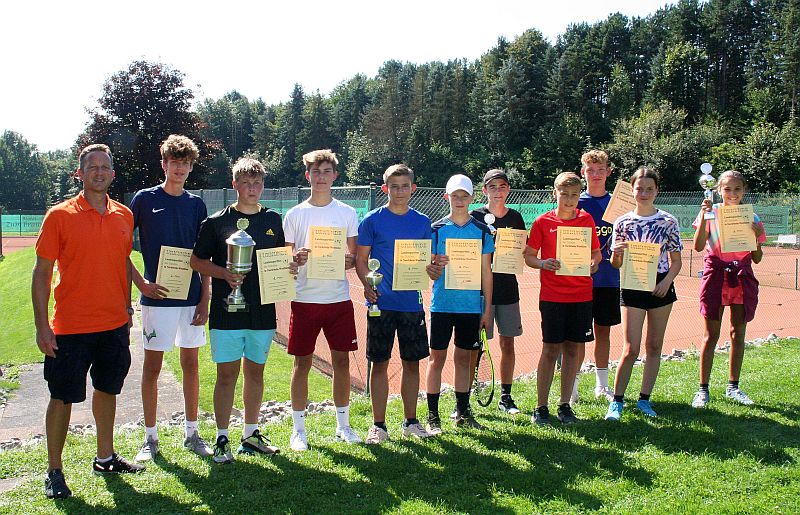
(164, 328)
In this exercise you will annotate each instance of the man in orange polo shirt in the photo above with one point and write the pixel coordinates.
(90, 238)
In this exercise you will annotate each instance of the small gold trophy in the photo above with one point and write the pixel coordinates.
(240, 261)
(374, 278)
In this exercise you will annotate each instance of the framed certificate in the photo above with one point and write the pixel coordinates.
(463, 271)
(174, 272)
(639, 266)
(622, 201)
(736, 228)
(327, 249)
(508, 247)
(275, 281)
(574, 250)
(411, 257)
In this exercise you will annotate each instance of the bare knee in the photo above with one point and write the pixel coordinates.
(437, 359)
(340, 360)
(302, 364)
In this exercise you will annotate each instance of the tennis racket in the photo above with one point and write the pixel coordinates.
(483, 383)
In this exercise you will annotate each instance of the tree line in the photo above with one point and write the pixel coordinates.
(696, 81)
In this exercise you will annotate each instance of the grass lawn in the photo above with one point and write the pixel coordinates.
(725, 459)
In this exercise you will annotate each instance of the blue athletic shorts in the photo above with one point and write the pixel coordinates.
(233, 344)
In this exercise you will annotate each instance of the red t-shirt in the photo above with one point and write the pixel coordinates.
(543, 239)
(91, 251)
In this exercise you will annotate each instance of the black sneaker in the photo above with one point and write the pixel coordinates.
(55, 487)
(508, 405)
(116, 465)
(541, 416)
(467, 420)
(566, 415)
(434, 424)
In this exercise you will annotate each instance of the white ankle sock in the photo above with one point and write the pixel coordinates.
(151, 433)
(190, 428)
(342, 416)
(249, 429)
(222, 432)
(299, 420)
(601, 377)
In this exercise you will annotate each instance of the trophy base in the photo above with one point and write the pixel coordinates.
(709, 216)
(374, 312)
(236, 308)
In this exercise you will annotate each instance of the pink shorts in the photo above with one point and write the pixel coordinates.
(731, 296)
(335, 320)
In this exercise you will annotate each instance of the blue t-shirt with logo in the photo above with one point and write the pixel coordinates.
(457, 301)
(379, 229)
(606, 276)
(163, 219)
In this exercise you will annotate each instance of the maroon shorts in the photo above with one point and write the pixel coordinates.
(335, 320)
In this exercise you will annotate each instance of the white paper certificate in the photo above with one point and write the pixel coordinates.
(276, 282)
(574, 250)
(508, 247)
(736, 228)
(463, 271)
(174, 272)
(326, 259)
(622, 201)
(639, 266)
(411, 257)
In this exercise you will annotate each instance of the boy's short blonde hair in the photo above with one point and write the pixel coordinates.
(594, 156)
(179, 147)
(320, 156)
(248, 167)
(567, 179)
(398, 170)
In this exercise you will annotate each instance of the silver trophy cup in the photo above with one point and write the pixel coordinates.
(240, 261)
(707, 182)
(374, 278)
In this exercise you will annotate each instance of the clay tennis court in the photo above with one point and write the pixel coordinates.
(777, 313)
(12, 244)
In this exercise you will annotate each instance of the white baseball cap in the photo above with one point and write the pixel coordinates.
(458, 182)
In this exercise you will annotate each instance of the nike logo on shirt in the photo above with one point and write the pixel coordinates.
(158, 210)
(551, 230)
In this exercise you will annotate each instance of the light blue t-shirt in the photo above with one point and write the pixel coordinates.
(379, 229)
(457, 301)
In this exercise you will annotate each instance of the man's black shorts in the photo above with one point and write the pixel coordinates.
(412, 336)
(605, 306)
(106, 355)
(566, 321)
(467, 328)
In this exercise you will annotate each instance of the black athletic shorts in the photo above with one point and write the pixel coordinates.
(605, 306)
(645, 299)
(566, 321)
(412, 336)
(467, 328)
(106, 355)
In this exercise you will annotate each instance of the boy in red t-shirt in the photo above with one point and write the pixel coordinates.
(565, 301)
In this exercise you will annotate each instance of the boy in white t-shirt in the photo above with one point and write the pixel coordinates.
(321, 304)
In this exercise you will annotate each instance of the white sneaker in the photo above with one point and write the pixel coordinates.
(738, 396)
(298, 441)
(148, 452)
(346, 434)
(604, 392)
(700, 399)
(416, 431)
(376, 435)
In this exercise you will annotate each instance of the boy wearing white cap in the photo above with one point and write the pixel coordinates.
(457, 310)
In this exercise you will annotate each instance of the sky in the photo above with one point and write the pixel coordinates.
(57, 55)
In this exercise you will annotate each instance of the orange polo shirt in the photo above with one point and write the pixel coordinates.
(91, 252)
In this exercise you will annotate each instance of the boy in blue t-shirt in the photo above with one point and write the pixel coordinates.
(168, 215)
(401, 311)
(605, 282)
(457, 309)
